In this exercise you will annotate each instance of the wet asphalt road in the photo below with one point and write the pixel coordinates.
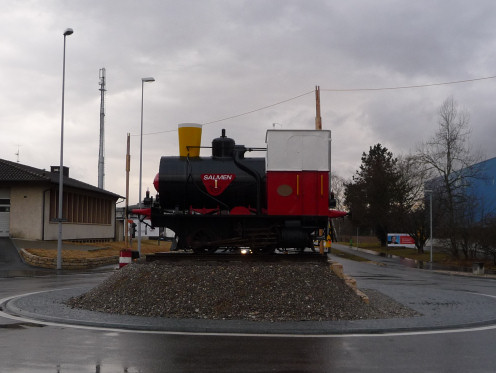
(27, 346)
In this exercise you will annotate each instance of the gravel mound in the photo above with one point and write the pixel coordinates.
(235, 290)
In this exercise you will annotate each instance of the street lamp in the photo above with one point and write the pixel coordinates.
(67, 32)
(430, 208)
(143, 81)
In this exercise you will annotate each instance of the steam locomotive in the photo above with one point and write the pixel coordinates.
(231, 201)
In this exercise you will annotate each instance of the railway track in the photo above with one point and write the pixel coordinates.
(172, 257)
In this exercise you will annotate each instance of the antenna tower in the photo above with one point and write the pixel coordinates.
(101, 152)
(18, 154)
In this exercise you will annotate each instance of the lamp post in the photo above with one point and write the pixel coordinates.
(143, 81)
(430, 213)
(67, 32)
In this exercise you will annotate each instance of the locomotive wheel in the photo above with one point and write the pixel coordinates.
(199, 242)
(174, 244)
(178, 243)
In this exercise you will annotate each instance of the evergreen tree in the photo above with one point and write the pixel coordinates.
(377, 194)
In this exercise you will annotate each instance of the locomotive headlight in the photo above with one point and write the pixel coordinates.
(245, 251)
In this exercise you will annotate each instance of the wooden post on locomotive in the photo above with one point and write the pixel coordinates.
(318, 118)
(318, 126)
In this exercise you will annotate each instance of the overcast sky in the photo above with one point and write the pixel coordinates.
(219, 59)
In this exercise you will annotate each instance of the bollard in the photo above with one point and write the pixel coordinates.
(125, 257)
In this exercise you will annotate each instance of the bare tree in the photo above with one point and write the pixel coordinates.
(486, 237)
(415, 223)
(337, 188)
(447, 155)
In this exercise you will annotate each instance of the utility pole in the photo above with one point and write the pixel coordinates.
(318, 118)
(128, 168)
(318, 126)
(101, 152)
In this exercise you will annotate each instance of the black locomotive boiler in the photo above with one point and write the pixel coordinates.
(231, 201)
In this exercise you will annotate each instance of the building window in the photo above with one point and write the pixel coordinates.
(81, 209)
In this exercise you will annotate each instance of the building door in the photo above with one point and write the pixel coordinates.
(4, 212)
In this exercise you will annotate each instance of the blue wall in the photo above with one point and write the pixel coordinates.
(486, 188)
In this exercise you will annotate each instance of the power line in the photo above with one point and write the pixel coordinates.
(259, 109)
(155, 133)
(335, 90)
(408, 86)
(238, 115)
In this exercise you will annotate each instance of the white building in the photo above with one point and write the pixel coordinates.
(29, 205)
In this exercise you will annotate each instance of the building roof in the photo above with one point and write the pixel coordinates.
(11, 172)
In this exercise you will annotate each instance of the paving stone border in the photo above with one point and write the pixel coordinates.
(83, 263)
(337, 268)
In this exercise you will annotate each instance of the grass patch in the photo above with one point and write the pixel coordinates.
(402, 252)
(370, 245)
(405, 252)
(440, 257)
(103, 250)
